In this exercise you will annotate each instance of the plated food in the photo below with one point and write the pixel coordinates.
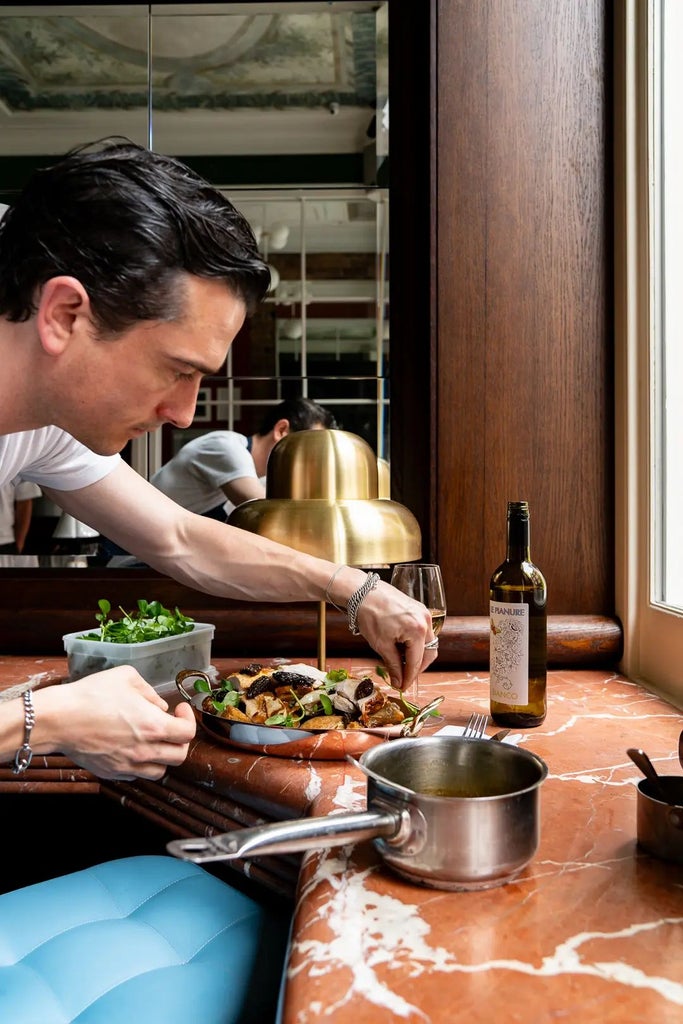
(263, 695)
(296, 710)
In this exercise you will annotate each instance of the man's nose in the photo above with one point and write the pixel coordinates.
(180, 409)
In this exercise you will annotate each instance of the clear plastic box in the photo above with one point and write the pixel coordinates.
(157, 661)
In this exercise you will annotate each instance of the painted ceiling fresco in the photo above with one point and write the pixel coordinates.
(222, 61)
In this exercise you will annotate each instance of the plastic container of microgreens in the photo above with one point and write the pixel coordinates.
(157, 661)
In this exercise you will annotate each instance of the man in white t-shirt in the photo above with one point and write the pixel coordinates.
(124, 279)
(225, 464)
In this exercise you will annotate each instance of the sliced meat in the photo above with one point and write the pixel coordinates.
(323, 722)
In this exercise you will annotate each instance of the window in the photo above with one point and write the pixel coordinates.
(649, 342)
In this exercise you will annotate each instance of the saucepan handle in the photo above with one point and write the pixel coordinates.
(675, 817)
(292, 836)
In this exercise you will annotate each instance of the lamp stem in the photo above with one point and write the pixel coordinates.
(321, 636)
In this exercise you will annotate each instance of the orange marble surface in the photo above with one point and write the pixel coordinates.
(591, 930)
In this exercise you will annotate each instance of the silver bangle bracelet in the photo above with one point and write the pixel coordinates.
(357, 598)
(24, 754)
(328, 596)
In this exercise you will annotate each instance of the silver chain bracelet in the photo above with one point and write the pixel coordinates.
(24, 754)
(357, 598)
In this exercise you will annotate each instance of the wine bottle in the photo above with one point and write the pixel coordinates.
(518, 639)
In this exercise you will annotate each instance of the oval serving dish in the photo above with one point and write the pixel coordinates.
(282, 741)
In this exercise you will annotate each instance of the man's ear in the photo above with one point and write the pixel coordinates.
(281, 429)
(63, 311)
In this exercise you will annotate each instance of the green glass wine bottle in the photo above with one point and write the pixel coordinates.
(518, 640)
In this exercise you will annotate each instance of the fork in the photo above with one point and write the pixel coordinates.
(476, 726)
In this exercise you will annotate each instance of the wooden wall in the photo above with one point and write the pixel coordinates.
(504, 389)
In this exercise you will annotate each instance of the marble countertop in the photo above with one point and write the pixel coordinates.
(591, 930)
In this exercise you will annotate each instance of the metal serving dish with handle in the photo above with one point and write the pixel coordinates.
(447, 812)
(281, 741)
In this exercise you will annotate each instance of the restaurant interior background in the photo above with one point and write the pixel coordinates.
(489, 375)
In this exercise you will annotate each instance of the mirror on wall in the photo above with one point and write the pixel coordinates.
(322, 331)
(284, 106)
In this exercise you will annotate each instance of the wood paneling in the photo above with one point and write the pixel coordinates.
(524, 358)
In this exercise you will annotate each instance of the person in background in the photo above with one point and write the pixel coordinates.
(124, 279)
(16, 507)
(225, 464)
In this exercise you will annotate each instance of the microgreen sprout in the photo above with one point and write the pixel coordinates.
(151, 621)
(288, 718)
(408, 705)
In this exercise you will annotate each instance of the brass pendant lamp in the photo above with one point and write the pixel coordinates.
(322, 498)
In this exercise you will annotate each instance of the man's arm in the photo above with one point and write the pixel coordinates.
(113, 723)
(243, 489)
(223, 560)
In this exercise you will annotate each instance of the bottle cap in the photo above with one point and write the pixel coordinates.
(518, 509)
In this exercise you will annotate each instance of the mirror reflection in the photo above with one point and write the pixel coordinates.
(285, 108)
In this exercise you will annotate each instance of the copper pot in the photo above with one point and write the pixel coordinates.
(660, 824)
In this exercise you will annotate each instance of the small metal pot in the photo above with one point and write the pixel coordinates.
(659, 824)
(444, 811)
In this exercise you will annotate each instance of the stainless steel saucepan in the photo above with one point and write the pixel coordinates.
(444, 811)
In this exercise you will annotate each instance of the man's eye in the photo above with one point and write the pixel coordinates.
(185, 376)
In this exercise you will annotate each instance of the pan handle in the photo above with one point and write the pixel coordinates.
(190, 673)
(292, 836)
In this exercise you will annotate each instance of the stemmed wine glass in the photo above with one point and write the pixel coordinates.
(423, 582)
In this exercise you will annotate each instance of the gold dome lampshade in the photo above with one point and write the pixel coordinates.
(322, 498)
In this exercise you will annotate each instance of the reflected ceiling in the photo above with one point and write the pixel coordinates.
(301, 80)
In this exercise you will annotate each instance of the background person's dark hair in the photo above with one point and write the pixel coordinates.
(302, 413)
(126, 222)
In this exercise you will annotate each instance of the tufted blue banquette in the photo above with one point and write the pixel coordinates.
(139, 940)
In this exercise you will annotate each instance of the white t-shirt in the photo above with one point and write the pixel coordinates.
(194, 477)
(50, 457)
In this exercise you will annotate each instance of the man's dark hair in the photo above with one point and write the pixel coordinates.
(302, 413)
(126, 222)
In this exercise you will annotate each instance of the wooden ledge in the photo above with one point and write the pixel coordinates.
(37, 607)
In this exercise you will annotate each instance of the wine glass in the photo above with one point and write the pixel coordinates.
(423, 582)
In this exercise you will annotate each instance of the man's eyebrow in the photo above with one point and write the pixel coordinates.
(203, 368)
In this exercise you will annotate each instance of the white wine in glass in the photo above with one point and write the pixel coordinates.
(423, 582)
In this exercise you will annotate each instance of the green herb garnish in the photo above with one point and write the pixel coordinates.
(231, 699)
(150, 622)
(289, 718)
(408, 705)
(337, 675)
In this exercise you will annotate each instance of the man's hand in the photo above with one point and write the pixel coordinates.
(114, 724)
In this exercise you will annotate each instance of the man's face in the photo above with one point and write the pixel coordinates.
(123, 388)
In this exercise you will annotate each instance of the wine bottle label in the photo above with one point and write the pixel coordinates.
(509, 653)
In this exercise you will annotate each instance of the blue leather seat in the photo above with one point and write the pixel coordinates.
(140, 940)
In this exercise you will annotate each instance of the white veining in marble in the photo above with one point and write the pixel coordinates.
(369, 931)
(566, 959)
(372, 931)
(314, 784)
(28, 684)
